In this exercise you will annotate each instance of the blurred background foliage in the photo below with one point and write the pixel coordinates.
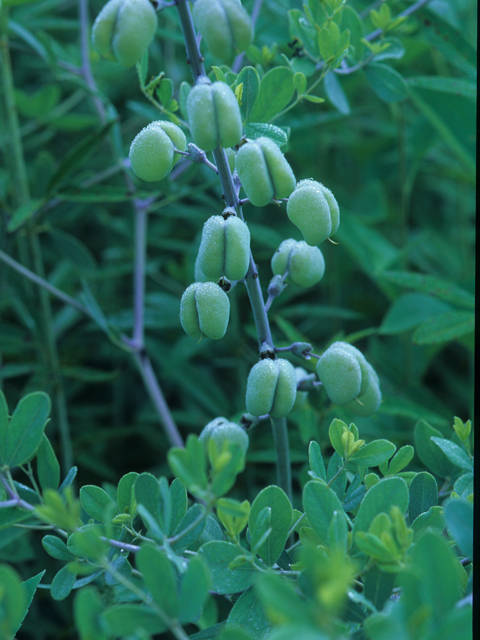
(399, 280)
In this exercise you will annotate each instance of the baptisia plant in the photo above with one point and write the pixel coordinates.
(364, 546)
(259, 168)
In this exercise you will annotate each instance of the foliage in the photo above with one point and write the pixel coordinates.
(376, 102)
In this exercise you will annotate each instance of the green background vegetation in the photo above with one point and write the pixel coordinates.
(399, 283)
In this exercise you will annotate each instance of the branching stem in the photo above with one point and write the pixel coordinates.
(252, 281)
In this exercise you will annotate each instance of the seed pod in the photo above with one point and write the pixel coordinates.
(221, 430)
(214, 116)
(152, 150)
(271, 388)
(314, 210)
(305, 264)
(204, 310)
(368, 402)
(344, 372)
(225, 26)
(225, 248)
(264, 171)
(124, 30)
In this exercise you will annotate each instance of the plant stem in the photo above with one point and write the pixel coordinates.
(158, 399)
(252, 281)
(140, 211)
(284, 473)
(33, 277)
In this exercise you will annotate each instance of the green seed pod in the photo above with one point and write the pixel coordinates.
(225, 248)
(225, 26)
(264, 171)
(124, 30)
(214, 116)
(231, 159)
(368, 402)
(344, 372)
(314, 210)
(204, 310)
(305, 264)
(221, 430)
(271, 388)
(152, 150)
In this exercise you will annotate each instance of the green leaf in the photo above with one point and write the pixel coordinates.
(48, 467)
(454, 453)
(316, 460)
(190, 464)
(300, 82)
(276, 91)
(378, 586)
(194, 588)
(249, 614)
(30, 587)
(57, 548)
(80, 152)
(183, 92)
(281, 601)
(423, 494)
(186, 534)
(280, 518)
(62, 583)
(4, 421)
(165, 91)
(126, 619)
(258, 129)
(73, 249)
(384, 495)
(410, 310)
(464, 485)
(433, 520)
(453, 117)
(153, 563)
(311, 98)
(121, 567)
(450, 41)
(446, 327)
(401, 459)
(126, 492)
(431, 285)
(336, 94)
(13, 601)
(459, 521)
(435, 572)
(24, 212)
(334, 466)
(458, 624)
(88, 607)
(386, 82)
(179, 501)
(97, 503)
(392, 48)
(25, 431)
(428, 452)
(457, 86)
(320, 504)
(335, 431)
(250, 79)
(155, 499)
(374, 453)
(225, 580)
